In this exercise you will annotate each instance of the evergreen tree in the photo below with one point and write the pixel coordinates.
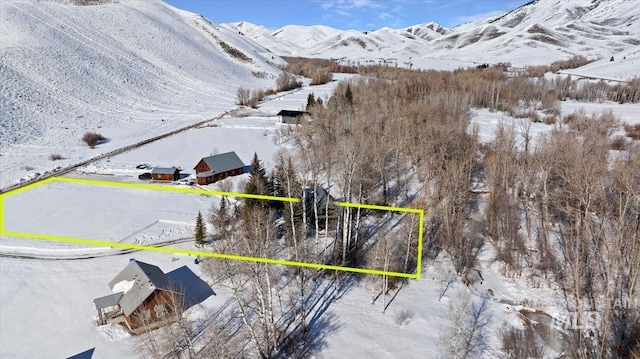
(200, 231)
(258, 181)
(259, 184)
(311, 101)
(348, 95)
(277, 190)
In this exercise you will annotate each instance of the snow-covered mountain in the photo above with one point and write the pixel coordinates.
(428, 31)
(545, 30)
(288, 40)
(536, 33)
(125, 69)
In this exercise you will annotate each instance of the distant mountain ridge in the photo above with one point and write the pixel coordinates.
(551, 29)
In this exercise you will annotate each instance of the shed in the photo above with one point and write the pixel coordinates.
(165, 173)
(292, 117)
(215, 168)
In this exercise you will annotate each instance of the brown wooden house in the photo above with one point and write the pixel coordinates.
(165, 174)
(144, 299)
(214, 168)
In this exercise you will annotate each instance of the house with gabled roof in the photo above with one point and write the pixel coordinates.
(142, 297)
(217, 167)
(165, 174)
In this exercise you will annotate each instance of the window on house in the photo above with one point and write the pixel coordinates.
(145, 314)
(160, 310)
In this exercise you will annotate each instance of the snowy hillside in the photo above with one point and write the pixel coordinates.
(625, 66)
(128, 70)
(288, 40)
(428, 31)
(558, 29)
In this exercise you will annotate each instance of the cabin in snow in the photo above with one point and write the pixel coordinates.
(292, 117)
(215, 168)
(319, 201)
(165, 174)
(143, 298)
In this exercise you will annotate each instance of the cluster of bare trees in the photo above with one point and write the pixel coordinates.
(287, 81)
(581, 211)
(562, 210)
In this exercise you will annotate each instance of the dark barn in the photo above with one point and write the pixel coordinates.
(215, 168)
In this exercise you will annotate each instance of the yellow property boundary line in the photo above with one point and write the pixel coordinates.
(190, 190)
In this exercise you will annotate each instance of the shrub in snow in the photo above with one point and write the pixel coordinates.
(549, 119)
(92, 139)
(522, 343)
(633, 131)
(618, 143)
(403, 317)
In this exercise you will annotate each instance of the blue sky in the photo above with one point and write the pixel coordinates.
(348, 14)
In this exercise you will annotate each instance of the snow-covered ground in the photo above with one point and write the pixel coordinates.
(488, 122)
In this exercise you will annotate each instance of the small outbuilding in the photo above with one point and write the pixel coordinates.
(292, 117)
(215, 168)
(143, 298)
(326, 207)
(165, 174)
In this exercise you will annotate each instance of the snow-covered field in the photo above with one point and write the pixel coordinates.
(89, 211)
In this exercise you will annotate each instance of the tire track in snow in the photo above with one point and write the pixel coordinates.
(111, 253)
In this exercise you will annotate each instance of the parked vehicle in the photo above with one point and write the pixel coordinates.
(145, 176)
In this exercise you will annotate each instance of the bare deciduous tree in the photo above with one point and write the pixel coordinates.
(465, 335)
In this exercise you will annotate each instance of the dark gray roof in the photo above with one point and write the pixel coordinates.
(223, 162)
(164, 170)
(146, 279)
(292, 113)
(108, 300)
